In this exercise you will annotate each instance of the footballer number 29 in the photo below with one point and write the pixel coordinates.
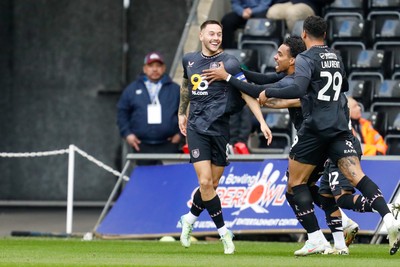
(333, 81)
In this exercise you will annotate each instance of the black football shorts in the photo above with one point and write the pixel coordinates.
(333, 181)
(208, 147)
(310, 148)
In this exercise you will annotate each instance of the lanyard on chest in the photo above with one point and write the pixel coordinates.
(153, 89)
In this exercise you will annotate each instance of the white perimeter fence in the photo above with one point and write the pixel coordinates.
(71, 167)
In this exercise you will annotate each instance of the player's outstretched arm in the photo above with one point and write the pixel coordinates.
(183, 106)
(261, 78)
(219, 74)
(255, 108)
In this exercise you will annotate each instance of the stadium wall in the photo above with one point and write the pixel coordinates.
(61, 75)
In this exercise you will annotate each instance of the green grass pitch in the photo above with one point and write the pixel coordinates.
(74, 252)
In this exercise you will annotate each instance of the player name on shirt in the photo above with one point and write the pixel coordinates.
(330, 60)
(330, 64)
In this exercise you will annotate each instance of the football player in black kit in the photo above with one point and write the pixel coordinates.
(318, 82)
(285, 64)
(206, 126)
(334, 187)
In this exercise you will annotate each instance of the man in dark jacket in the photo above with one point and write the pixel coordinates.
(148, 111)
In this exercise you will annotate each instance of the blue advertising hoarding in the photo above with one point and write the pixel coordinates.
(252, 196)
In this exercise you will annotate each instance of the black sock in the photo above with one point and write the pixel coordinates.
(329, 206)
(197, 204)
(361, 204)
(334, 223)
(214, 208)
(304, 208)
(374, 195)
(289, 198)
(315, 195)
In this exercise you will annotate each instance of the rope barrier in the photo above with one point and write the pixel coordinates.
(60, 152)
(33, 154)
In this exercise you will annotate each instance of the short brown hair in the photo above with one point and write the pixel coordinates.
(208, 22)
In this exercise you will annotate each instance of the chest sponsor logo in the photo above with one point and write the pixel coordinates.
(200, 85)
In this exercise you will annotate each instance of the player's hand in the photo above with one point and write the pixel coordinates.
(182, 121)
(262, 98)
(133, 141)
(267, 132)
(216, 74)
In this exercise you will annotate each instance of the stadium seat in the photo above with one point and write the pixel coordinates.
(263, 35)
(383, 5)
(392, 55)
(392, 111)
(390, 30)
(348, 6)
(264, 30)
(279, 121)
(280, 124)
(367, 63)
(387, 35)
(383, 25)
(263, 50)
(361, 90)
(393, 142)
(386, 91)
(246, 57)
(394, 125)
(348, 50)
(348, 29)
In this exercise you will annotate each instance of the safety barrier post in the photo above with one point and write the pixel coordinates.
(70, 193)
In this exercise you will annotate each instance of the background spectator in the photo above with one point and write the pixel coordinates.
(242, 10)
(294, 10)
(372, 142)
(148, 111)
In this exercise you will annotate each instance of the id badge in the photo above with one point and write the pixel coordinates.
(153, 114)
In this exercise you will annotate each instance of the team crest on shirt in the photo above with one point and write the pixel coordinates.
(195, 153)
(214, 65)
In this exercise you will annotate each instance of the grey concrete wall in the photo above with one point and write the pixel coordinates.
(59, 56)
